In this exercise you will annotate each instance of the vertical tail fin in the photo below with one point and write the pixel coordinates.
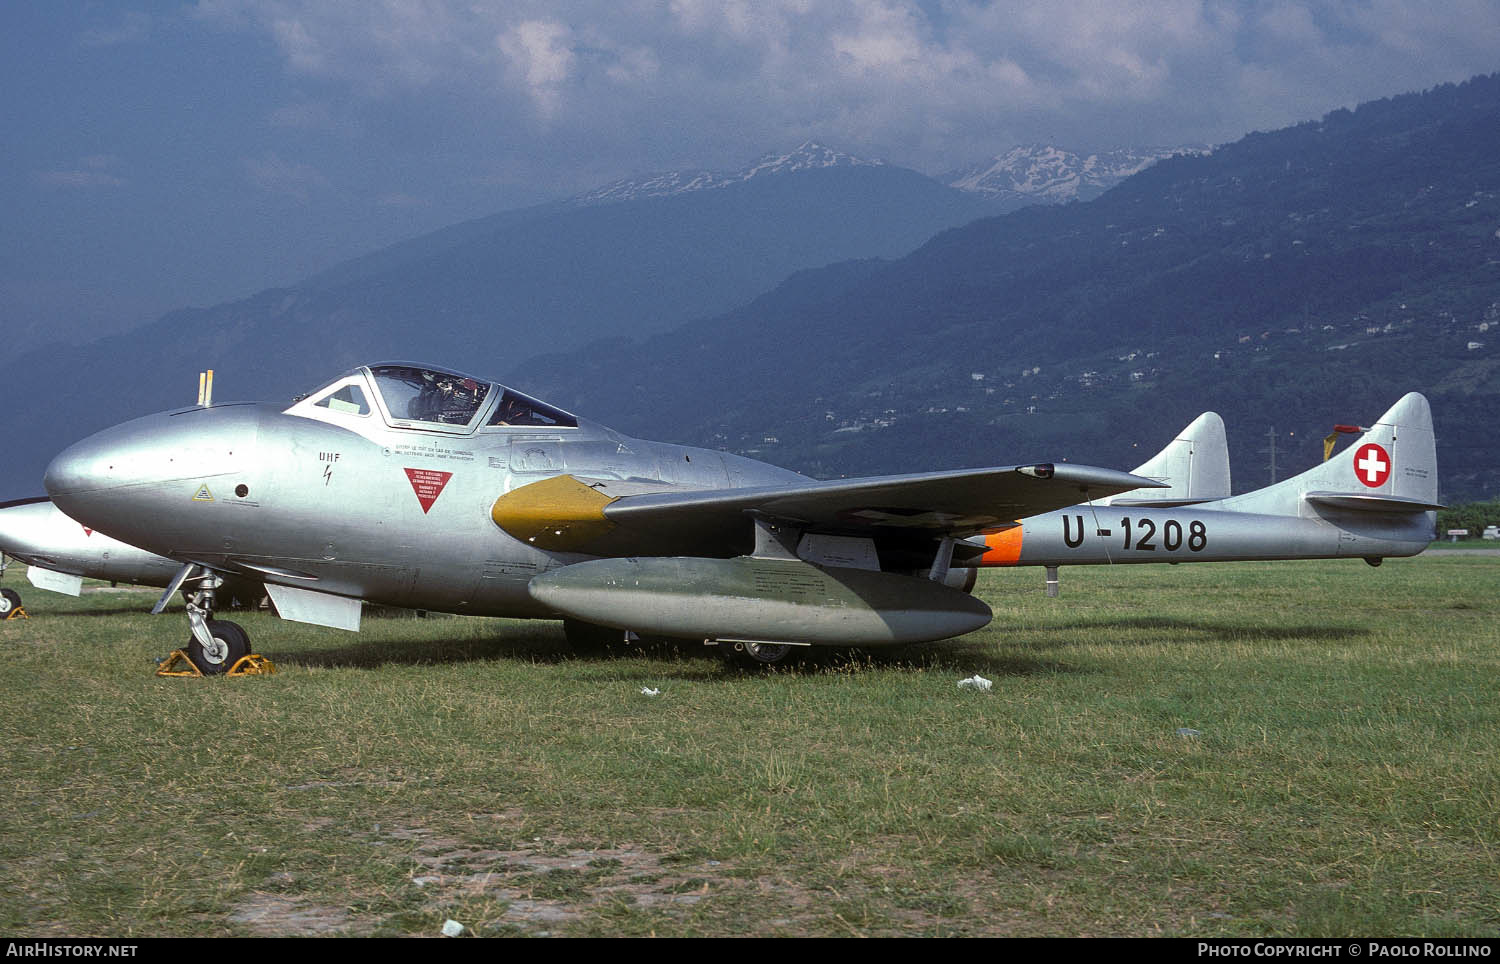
(1413, 473)
(1390, 468)
(1195, 464)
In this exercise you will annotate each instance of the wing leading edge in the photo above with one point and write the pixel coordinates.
(604, 518)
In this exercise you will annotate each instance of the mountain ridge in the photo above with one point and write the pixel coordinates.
(1296, 277)
(491, 292)
(809, 155)
(1045, 173)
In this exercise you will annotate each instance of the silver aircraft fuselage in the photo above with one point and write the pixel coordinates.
(374, 504)
(36, 532)
(419, 487)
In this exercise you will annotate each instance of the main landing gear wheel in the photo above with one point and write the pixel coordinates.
(650, 645)
(757, 656)
(10, 600)
(230, 644)
(591, 640)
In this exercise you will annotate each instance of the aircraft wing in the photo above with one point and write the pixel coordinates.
(604, 518)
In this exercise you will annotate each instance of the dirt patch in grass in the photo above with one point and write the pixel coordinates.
(544, 887)
(268, 915)
(548, 888)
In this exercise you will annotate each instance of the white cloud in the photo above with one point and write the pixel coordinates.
(884, 37)
(540, 52)
(644, 83)
(304, 51)
(633, 66)
(1291, 23)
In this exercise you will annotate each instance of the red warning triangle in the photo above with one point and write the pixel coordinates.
(428, 485)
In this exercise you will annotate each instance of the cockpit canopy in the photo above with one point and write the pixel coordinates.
(421, 397)
(428, 395)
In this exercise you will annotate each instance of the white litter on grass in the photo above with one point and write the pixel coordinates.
(648, 691)
(452, 928)
(1188, 731)
(975, 682)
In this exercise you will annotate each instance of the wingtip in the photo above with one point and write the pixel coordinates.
(1092, 477)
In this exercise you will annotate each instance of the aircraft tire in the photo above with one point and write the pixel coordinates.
(665, 645)
(593, 641)
(233, 642)
(759, 656)
(9, 600)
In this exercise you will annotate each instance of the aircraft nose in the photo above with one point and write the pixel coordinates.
(130, 454)
(81, 467)
(18, 525)
(134, 470)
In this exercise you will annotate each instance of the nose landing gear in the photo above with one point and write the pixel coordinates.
(228, 643)
(215, 645)
(10, 605)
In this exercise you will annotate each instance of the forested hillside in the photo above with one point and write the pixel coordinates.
(1290, 280)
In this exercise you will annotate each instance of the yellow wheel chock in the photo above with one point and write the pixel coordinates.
(251, 665)
(17, 613)
(167, 667)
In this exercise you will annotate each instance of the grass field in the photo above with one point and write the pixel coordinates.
(1493, 545)
(1268, 749)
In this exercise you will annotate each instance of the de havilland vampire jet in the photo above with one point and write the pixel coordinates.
(414, 486)
(60, 553)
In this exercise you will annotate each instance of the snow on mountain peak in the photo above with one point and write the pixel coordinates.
(1040, 172)
(1027, 174)
(810, 155)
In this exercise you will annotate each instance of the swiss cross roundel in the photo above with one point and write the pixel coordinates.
(1372, 465)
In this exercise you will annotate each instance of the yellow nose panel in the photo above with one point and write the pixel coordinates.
(560, 513)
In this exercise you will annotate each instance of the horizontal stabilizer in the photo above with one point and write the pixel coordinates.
(1391, 468)
(1370, 503)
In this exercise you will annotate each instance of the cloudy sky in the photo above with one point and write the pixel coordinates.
(163, 154)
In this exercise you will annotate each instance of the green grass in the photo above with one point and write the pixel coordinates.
(1345, 778)
(1474, 543)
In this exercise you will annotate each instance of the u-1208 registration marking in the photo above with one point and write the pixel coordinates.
(1143, 535)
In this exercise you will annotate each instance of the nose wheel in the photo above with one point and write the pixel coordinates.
(228, 643)
(215, 645)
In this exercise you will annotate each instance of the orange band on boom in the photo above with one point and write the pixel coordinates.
(1004, 548)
